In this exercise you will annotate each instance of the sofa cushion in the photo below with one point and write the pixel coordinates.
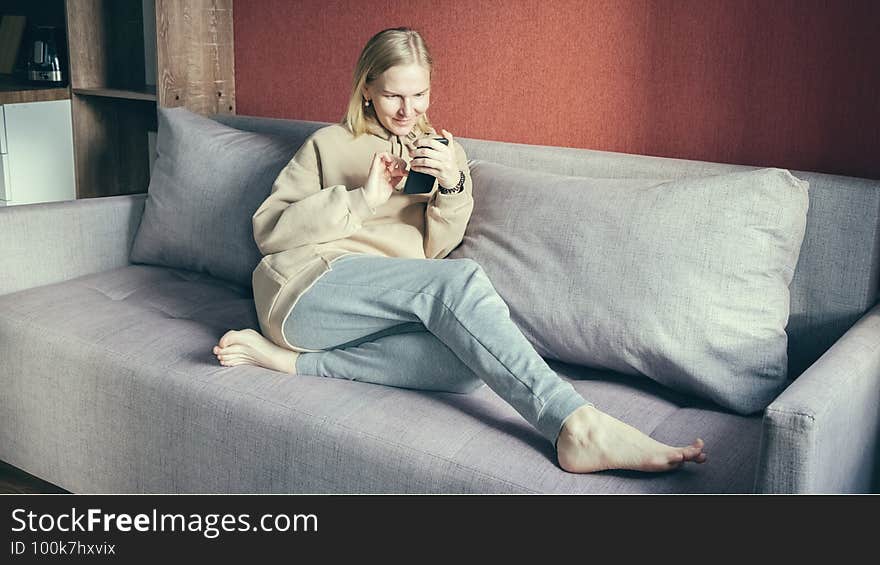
(838, 270)
(110, 386)
(683, 281)
(206, 184)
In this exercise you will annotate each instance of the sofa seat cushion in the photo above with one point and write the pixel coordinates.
(112, 387)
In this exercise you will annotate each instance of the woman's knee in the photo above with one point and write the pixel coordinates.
(467, 265)
(466, 273)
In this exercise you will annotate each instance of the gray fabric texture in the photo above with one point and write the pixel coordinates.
(836, 281)
(132, 400)
(56, 241)
(683, 281)
(129, 398)
(296, 131)
(816, 434)
(206, 184)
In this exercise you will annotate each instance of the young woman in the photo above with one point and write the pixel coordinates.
(354, 285)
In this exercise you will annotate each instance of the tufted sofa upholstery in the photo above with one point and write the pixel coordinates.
(129, 385)
(108, 384)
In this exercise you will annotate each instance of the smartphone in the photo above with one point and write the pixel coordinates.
(421, 183)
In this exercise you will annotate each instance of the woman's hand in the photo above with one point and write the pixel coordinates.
(438, 160)
(386, 170)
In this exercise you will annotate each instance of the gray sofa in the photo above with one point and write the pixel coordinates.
(108, 384)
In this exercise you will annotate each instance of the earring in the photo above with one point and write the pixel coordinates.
(367, 103)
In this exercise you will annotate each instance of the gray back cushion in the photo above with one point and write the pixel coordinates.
(836, 279)
(685, 281)
(206, 184)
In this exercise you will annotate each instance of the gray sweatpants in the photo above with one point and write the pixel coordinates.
(429, 324)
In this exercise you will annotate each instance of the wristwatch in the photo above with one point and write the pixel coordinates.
(455, 189)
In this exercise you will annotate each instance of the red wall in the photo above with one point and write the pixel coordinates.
(788, 83)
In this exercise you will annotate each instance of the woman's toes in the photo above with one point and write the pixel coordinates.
(237, 359)
(693, 451)
(227, 338)
(676, 459)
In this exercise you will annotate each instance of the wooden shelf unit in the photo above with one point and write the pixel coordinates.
(13, 91)
(14, 86)
(114, 107)
(146, 93)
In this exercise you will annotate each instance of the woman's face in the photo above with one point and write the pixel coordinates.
(400, 96)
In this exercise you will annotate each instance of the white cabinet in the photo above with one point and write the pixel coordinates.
(36, 153)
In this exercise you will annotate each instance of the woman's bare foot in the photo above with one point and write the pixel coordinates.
(248, 347)
(591, 441)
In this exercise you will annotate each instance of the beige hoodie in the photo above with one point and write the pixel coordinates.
(317, 212)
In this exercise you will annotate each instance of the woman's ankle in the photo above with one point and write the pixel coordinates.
(576, 424)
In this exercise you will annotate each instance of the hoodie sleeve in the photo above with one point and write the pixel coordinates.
(300, 211)
(447, 215)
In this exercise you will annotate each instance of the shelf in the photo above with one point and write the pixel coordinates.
(115, 47)
(14, 91)
(147, 93)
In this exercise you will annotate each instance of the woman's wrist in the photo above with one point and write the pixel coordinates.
(453, 189)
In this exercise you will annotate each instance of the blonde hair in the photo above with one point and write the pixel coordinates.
(386, 49)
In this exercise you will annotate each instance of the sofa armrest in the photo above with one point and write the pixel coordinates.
(821, 433)
(56, 241)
